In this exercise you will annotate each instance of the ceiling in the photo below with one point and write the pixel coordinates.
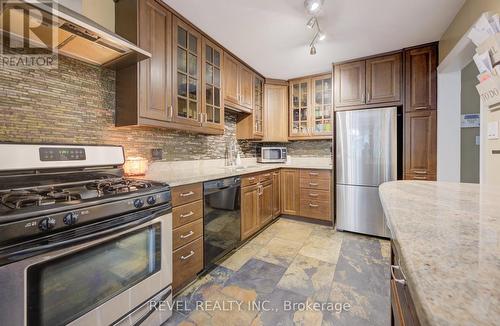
(272, 37)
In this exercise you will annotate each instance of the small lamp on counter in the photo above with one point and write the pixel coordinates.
(135, 166)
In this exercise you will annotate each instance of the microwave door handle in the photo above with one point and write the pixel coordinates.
(93, 236)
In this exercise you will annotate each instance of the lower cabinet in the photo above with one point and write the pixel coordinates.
(403, 312)
(249, 210)
(187, 234)
(290, 196)
(276, 193)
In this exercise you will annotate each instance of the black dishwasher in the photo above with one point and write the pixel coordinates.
(222, 219)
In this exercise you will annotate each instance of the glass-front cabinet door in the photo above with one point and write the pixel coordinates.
(299, 108)
(322, 121)
(187, 73)
(258, 108)
(212, 104)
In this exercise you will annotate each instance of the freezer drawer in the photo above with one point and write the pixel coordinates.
(359, 210)
(366, 146)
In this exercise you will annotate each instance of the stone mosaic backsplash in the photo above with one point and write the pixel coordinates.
(75, 104)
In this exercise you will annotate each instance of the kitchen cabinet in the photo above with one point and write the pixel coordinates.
(421, 78)
(383, 79)
(315, 194)
(276, 193)
(420, 145)
(276, 113)
(311, 108)
(166, 90)
(403, 311)
(238, 85)
(266, 201)
(187, 234)
(249, 210)
(250, 126)
(187, 78)
(212, 103)
(369, 83)
(290, 191)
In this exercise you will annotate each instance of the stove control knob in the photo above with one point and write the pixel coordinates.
(151, 200)
(47, 224)
(70, 219)
(138, 203)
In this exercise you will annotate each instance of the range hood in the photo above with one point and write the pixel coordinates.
(76, 36)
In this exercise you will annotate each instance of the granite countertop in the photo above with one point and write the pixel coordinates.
(176, 175)
(448, 238)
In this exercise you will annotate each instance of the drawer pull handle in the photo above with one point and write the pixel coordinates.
(267, 175)
(191, 213)
(251, 179)
(313, 205)
(313, 184)
(313, 173)
(184, 236)
(420, 172)
(313, 195)
(187, 194)
(421, 108)
(188, 256)
(419, 178)
(397, 280)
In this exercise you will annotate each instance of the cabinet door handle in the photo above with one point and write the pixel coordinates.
(313, 184)
(186, 257)
(363, 98)
(186, 194)
(313, 205)
(313, 195)
(368, 97)
(170, 112)
(191, 213)
(184, 236)
(397, 280)
(421, 108)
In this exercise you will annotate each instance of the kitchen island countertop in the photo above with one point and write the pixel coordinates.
(447, 236)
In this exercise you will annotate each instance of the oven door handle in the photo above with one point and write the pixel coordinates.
(93, 236)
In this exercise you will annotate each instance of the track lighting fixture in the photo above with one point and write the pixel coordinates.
(311, 22)
(313, 7)
(312, 50)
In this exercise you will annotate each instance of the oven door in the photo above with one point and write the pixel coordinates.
(97, 278)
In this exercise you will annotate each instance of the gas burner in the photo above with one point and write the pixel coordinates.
(35, 197)
(119, 185)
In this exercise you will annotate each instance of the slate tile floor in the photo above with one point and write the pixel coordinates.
(294, 262)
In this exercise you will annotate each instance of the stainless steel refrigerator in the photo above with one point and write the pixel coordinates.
(366, 156)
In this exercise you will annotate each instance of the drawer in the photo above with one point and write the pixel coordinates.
(187, 262)
(187, 213)
(186, 194)
(315, 174)
(313, 194)
(424, 177)
(316, 209)
(249, 180)
(266, 176)
(187, 233)
(306, 183)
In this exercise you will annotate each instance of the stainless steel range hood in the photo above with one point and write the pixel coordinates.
(76, 36)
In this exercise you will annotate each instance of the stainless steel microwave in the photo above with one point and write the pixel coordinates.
(271, 154)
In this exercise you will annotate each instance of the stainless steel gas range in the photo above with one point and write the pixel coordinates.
(79, 243)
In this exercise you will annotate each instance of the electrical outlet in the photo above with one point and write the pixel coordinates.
(493, 130)
(157, 154)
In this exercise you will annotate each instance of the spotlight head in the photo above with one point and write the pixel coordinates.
(312, 51)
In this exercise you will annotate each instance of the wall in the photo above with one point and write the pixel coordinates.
(76, 104)
(470, 103)
(468, 14)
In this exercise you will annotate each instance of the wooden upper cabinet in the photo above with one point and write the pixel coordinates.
(212, 103)
(187, 77)
(231, 79)
(276, 113)
(238, 84)
(350, 84)
(251, 126)
(155, 73)
(421, 78)
(300, 93)
(420, 145)
(246, 87)
(322, 106)
(383, 79)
